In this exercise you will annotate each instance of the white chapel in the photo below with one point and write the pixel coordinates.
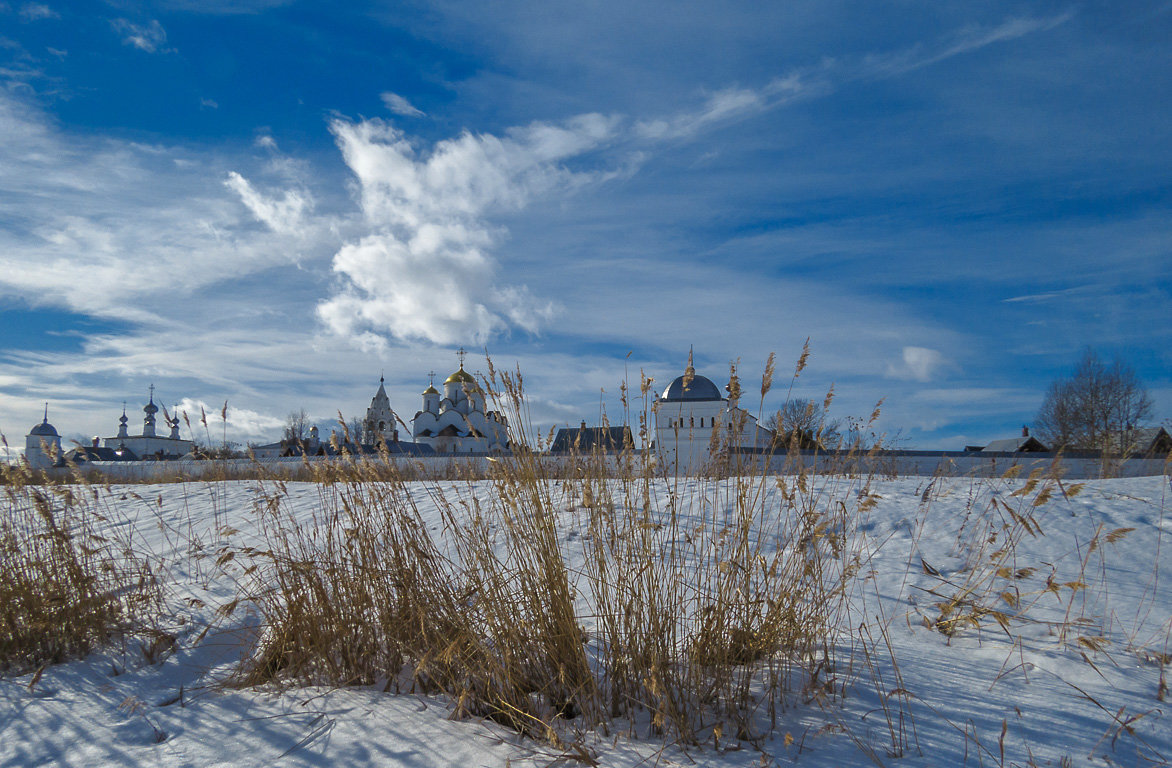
(693, 421)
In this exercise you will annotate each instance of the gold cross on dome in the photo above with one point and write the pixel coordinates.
(461, 355)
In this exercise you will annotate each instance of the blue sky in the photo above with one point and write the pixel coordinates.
(272, 203)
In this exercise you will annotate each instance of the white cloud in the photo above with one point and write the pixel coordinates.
(241, 424)
(208, 104)
(284, 216)
(399, 105)
(425, 272)
(148, 37)
(917, 363)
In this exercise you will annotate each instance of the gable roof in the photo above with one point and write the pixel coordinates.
(1016, 445)
(590, 439)
(1150, 440)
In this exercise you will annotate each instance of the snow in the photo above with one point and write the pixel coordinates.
(1034, 694)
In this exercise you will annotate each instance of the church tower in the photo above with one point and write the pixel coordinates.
(150, 409)
(431, 396)
(122, 423)
(379, 424)
(42, 446)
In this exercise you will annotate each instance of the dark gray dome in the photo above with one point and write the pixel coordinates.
(699, 388)
(44, 429)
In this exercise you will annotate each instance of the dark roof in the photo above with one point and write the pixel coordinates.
(590, 439)
(1016, 445)
(85, 453)
(697, 388)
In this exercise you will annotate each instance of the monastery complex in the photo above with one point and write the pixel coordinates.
(692, 418)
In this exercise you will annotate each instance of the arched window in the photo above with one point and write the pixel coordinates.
(692, 421)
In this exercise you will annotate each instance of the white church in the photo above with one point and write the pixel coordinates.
(150, 444)
(452, 422)
(694, 422)
(458, 421)
(43, 448)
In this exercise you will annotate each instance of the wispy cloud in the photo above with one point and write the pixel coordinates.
(149, 37)
(738, 103)
(37, 12)
(138, 213)
(965, 41)
(1046, 296)
(399, 105)
(285, 215)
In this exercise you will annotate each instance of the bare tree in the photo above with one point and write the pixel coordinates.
(1097, 408)
(296, 426)
(807, 421)
(352, 429)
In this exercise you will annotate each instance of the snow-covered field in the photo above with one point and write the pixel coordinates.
(1064, 662)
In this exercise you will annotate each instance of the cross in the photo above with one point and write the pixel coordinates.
(431, 378)
(460, 355)
(152, 393)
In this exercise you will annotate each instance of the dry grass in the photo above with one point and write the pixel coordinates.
(697, 618)
(64, 589)
(705, 606)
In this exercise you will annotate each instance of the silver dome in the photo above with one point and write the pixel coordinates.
(44, 429)
(699, 388)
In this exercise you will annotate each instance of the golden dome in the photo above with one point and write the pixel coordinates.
(431, 390)
(461, 376)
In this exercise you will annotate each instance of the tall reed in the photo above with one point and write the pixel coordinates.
(65, 587)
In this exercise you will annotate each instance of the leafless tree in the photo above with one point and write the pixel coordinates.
(296, 426)
(807, 420)
(353, 428)
(1097, 408)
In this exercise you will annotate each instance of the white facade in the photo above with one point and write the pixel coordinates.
(458, 422)
(42, 445)
(150, 444)
(693, 422)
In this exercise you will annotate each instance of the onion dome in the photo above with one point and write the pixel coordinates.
(460, 376)
(122, 423)
(431, 390)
